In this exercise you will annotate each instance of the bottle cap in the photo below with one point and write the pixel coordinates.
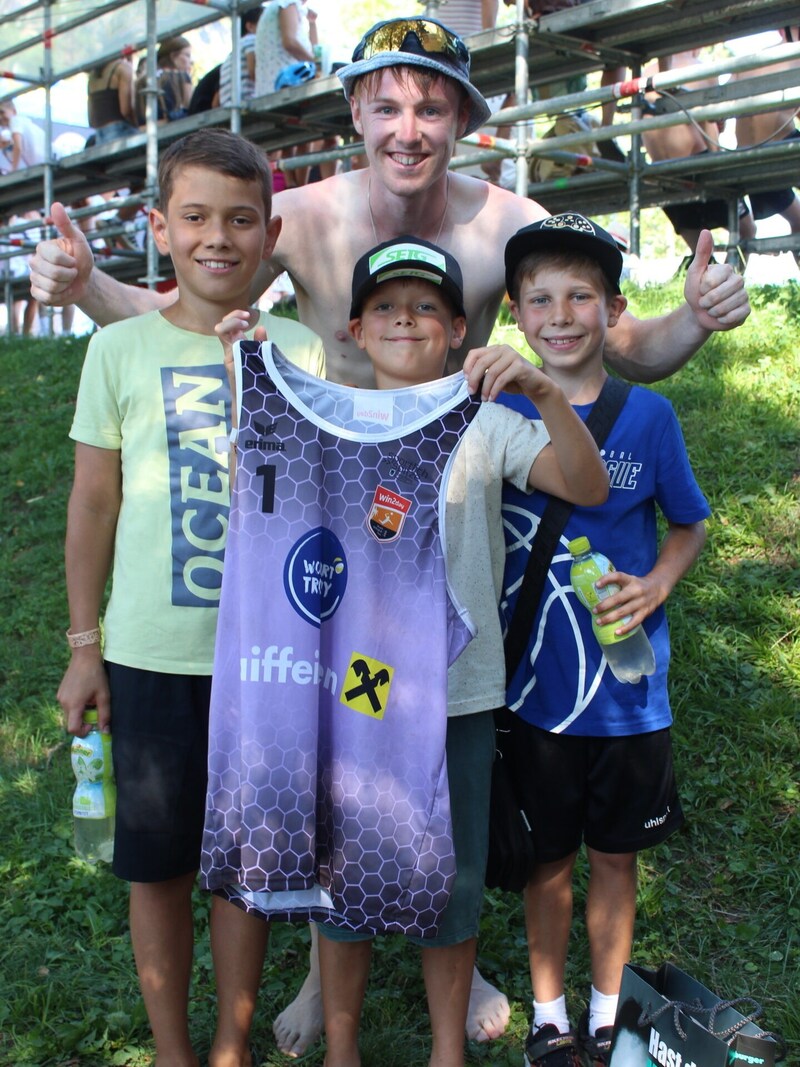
(579, 545)
(90, 715)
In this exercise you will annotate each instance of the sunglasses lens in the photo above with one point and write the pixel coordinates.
(432, 38)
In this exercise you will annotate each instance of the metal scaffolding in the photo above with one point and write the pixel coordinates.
(46, 41)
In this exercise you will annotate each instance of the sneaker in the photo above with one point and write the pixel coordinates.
(595, 1051)
(547, 1047)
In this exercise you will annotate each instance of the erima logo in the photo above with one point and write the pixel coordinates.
(265, 430)
(315, 575)
(663, 1054)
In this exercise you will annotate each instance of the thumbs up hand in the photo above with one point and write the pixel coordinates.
(714, 291)
(61, 267)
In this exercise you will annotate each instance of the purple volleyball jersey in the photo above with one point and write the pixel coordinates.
(327, 794)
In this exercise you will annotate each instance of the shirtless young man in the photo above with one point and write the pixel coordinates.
(691, 139)
(410, 125)
(410, 131)
(778, 125)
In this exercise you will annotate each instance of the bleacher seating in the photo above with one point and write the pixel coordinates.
(577, 40)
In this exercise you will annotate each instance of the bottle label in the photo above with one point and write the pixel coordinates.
(94, 800)
(91, 759)
(583, 576)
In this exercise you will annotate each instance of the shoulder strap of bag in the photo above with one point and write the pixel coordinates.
(551, 525)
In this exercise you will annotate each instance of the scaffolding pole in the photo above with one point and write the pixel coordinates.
(522, 93)
(47, 79)
(151, 150)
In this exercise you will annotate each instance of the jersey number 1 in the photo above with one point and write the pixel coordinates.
(267, 472)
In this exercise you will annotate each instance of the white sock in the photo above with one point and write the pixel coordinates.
(602, 1010)
(553, 1012)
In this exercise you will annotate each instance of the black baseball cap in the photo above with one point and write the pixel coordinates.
(407, 257)
(567, 232)
(416, 42)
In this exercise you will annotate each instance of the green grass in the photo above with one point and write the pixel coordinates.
(720, 899)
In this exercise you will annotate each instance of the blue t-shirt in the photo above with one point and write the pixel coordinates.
(563, 683)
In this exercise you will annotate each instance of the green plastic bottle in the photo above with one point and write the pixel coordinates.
(94, 801)
(628, 655)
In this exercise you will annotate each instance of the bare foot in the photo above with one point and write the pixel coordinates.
(229, 1059)
(300, 1024)
(489, 1011)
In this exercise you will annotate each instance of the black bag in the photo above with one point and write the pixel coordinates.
(666, 1017)
(511, 850)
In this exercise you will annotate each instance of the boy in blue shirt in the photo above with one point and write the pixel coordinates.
(591, 755)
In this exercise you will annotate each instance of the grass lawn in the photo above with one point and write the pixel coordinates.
(719, 899)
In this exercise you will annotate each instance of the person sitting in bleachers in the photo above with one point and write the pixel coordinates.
(110, 100)
(691, 138)
(247, 60)
(27, 146)
(174, 61)
(768, 126)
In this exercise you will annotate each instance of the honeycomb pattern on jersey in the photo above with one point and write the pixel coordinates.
(306, 785)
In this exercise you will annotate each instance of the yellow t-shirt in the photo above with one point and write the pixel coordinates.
(159, 395)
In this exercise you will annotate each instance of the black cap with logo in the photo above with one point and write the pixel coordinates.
(566, 232)
(407, 257)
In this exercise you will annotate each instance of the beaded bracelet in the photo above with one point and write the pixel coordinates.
(88, 637)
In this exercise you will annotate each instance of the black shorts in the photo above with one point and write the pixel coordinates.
(618, 794)
(776, 201)
(159, 730)
(702, 215)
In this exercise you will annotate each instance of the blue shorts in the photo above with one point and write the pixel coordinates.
(470, 753)
(112, 131)
(159, 746)
(618, 794)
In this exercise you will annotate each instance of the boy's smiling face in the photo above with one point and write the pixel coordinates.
(564, 315)
(407, 327)
(216, 232)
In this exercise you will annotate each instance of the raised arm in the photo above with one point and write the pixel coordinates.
(91, 527)
(647, 350)
(16, 149)
(570, 466)
(289, 24)
(62, 271)
(125, 91)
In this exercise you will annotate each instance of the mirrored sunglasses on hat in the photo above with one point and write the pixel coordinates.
(433, 38)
